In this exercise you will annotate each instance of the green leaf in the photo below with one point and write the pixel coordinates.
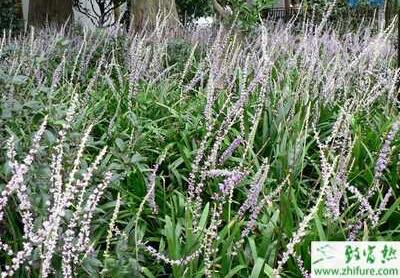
(204, 215)
(366, 233)
(257, 268)
(286, 215)
(320, 229)
(390, 211)
(269, 271)
(147, 272)
(235, 270)
(19, 79)
(120, 144)
(253, 248)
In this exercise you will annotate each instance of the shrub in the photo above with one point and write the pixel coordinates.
(289, 137)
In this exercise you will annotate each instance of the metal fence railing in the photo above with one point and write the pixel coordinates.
(280, 13)
(349, 15)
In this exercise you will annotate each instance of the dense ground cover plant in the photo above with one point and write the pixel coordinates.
(225, 159)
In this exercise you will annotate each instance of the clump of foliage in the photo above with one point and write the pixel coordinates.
(189, 10)
(182, 56)
(248, 14)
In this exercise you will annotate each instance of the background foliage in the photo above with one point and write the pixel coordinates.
(10, 15)
(191, 9)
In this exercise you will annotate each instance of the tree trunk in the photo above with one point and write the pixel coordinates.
(52, 12)
(144, 13)
(381, 16)
(117, 12)
(221, 12)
